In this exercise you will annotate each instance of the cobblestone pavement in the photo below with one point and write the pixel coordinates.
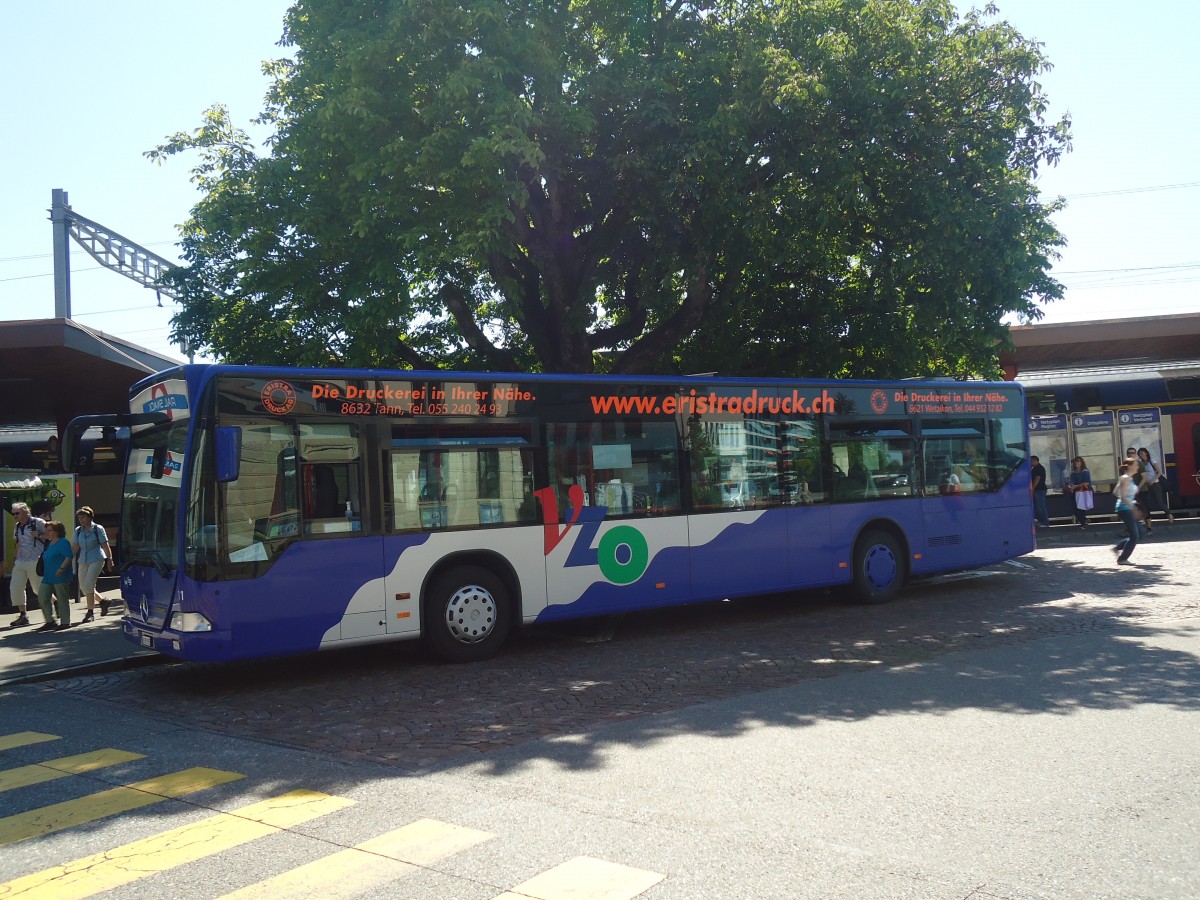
(394, 704)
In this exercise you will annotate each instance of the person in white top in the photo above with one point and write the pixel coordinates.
(29, 535)
(1126, 491)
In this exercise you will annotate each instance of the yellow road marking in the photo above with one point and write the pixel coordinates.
(69, 813)
(584, 878)
(24, 739)
(352, 872)
(62, 767)
(132, 862)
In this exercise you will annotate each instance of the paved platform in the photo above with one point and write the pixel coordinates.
(1108, 529)
(27, 656)
(98, 646)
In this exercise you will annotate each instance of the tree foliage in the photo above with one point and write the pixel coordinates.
(786, 187)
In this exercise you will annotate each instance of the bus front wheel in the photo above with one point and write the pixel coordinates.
(467, 614)
(878, 568)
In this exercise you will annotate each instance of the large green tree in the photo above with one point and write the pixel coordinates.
(789, 187)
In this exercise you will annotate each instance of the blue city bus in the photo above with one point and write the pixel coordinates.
(282, 510)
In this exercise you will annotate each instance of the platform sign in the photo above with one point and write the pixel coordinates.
(1094, 439)
(1048, 442)
(1142, 428)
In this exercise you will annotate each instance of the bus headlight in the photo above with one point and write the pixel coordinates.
(189, 621)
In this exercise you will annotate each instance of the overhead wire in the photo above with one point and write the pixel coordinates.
(1138, 190)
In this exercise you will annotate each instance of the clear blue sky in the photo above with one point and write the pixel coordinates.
(91, 87)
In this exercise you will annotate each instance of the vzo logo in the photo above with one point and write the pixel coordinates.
(622, 555)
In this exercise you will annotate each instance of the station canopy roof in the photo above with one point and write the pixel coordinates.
(1166, 344)
(52, 370)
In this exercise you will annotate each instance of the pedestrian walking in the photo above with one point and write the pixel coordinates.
(1126, 491)
(92, 554)
(56, 580)
(1038, 475)
(1137, 482)
(29, 536)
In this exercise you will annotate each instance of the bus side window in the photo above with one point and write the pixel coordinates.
(877, 469)
(460, 487)
(1006, 449)
(628, 467)
(330, 478)
(801, 474)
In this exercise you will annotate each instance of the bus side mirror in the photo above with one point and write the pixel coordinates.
(158, 462)
(229, 453)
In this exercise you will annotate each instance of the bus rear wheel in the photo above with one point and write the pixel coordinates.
(878, 568)
(467, 614)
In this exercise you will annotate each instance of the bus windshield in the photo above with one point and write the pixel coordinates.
(151, 496)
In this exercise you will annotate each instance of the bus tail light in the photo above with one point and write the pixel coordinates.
(189, 621)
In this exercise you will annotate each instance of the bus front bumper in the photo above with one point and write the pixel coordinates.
(208, 646)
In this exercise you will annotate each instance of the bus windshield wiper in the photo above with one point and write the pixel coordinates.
(160, 563)
(144, 555)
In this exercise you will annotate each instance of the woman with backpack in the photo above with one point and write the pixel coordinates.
(92, 554)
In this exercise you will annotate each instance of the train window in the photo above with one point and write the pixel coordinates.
(1183, 388)
(1042, 403)
(1086, 397)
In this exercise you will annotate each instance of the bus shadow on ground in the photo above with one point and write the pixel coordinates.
(716, 669)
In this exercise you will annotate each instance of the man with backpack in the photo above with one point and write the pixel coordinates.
(30, 537)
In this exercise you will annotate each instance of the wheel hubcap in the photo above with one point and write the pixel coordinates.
(471, 614)
(880, 566)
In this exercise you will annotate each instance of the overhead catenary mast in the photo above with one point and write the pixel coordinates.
(111, 250)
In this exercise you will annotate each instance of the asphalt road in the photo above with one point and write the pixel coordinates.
(1027, 731)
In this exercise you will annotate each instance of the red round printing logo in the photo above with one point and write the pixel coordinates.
(278, 397)
(879, 401)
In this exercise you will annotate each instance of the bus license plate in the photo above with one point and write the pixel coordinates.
(147, 641)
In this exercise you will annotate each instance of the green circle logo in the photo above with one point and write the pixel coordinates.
(623, 555)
